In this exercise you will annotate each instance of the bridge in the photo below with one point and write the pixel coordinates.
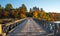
(27, 27)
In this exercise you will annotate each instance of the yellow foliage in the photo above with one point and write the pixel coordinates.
(35, 14)
(23, 16)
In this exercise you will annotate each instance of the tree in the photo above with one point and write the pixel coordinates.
(23, 11)
(6, 14)
(41, 10)
(8, 7)
(30, 14)
(30, 10)
(35, 12)
(43, 15)
(12, 13)
(35, 8)
(1, 9)
(17, 13)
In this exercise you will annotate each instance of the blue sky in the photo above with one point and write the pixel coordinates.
(47, 5)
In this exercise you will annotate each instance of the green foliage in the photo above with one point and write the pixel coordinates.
(41, 10)
(8, 7)
(1, 7)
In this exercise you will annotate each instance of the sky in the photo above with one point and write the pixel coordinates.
(47, 5)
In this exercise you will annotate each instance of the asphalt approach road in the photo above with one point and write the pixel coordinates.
(29, 28)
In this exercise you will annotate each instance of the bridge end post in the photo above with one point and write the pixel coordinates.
(1, 31)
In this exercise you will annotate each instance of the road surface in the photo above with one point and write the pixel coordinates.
(28, 28)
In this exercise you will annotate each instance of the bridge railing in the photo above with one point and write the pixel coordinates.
(50, 27)
(7, 28)
(46, 25)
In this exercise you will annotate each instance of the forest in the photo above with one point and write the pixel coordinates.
(19, 13)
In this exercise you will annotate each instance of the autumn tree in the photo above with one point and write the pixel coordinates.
(43, 15)
(23, 11)
(17, 13)
(6, 14)
(9, 8)
(35, 12)
(1, 11)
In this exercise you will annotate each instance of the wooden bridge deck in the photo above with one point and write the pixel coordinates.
(28, 28)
